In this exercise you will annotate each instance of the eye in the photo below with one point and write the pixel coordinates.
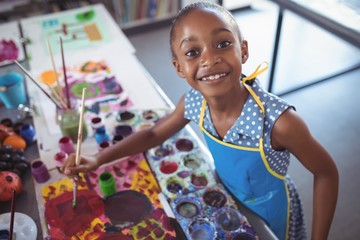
(191, 53)
(223, 44)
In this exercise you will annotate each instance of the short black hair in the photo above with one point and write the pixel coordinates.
(200, 5)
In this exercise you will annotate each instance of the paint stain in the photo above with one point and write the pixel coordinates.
(126, 115)
(199, 180)
(162, 151)
(127, 208)
(188, 209)
(183, 174)
(168, 167)
(228, 219)
(214, 198)
(202, 230)
(174, 186)
(184, 145)
(60, 214)
(123, 130)
(191, 161)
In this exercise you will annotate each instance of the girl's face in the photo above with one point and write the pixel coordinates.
(208, 52)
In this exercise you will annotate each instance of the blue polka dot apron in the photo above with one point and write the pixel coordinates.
(247, 174)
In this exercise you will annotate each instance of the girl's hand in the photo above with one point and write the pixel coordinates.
(70, 169)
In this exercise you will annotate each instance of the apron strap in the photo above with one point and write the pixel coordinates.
(256, 73)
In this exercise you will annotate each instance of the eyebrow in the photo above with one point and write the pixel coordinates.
(213, 32)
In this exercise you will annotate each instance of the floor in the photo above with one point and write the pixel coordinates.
(329, 108)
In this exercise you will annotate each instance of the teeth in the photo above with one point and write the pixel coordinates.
(213, 77)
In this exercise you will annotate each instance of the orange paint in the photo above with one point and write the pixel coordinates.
(48, 77)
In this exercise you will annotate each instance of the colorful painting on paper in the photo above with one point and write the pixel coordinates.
(77, 30)
(134, 212)
(104, 92)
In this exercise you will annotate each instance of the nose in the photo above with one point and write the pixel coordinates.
(209, 58)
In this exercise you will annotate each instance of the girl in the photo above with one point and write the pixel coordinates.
(249, 131)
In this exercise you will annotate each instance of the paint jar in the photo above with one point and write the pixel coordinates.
(107, 184)
(12, 90)
(117, 138)
(59, 159)
(68, 120)
(27, 131)
(101, 136)
(103, 146)
(39, 171)
(123, 130)
(96, 123)
(66, 145)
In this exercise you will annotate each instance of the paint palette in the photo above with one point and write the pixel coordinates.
(211, 213)
(180, 165)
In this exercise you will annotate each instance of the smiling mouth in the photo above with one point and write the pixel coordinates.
(213, 77)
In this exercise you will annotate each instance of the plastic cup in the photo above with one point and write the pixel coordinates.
(107, 184)
(12, 90)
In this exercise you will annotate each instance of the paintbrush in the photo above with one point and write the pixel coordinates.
(12, 216)
(65, 77)
(37, 84)
(60, 93)
(79, 139)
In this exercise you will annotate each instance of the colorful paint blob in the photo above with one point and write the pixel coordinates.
(202, 229)
(123, 130)
(184, 145)
(192, 161)
(199, 180)
(174, 186)
(228, 219)
(188, 208)
(168, 167)
(162, 151)
(126, 115)
(214, 198)
(127, 208)
(150, 115)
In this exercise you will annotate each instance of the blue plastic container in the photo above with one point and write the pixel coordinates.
(12, 90)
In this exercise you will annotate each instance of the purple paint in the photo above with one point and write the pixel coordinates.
(127, 207)
(39, 171)
(174, 186)
(66, 145)
(123, 130)
(184, 145)
(162, 151)
(228, 219)
(214, 198)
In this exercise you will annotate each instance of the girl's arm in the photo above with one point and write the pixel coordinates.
(135, 143)
(290, 132)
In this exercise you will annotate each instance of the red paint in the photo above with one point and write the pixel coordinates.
(66, 220)
(168, 167)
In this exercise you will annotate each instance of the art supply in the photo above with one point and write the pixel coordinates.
(60, 158)
(103, 146)
(66, 145)
(60, 93)
(12, 90)
(67, 90)
(27, 131)
(202, 229)
(79, 140)
(68, 120)
(12, 214)
(101, 136)
(37, 84)
(107, 184)
(39, 171)
(96, 123)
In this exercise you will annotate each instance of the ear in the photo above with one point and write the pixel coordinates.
(244, 51)
(177, 66)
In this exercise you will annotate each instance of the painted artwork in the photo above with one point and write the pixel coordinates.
(77, 30)
(104, 93)
(11, 43)
(133, 212)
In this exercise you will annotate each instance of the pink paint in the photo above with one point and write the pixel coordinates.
(184, 145)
